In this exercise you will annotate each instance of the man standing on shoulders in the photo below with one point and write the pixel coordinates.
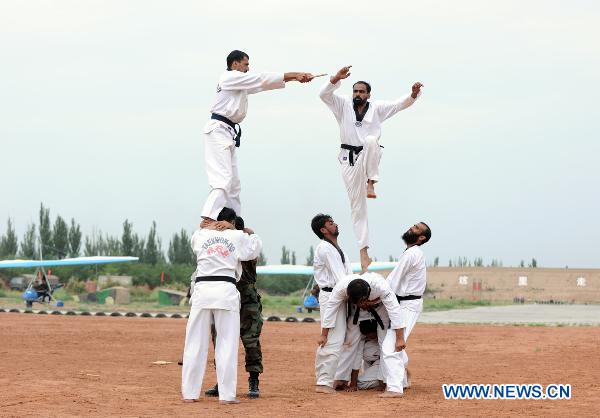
(223, 133)
(360, 129)
(408, 281)
(330, 266)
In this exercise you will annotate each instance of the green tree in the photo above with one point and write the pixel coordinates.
(74, 239)
(60, 237)
(533, 263)
(262, 259)
(28, 247)
(180, 250)
(45, 231)
(152, 250)
(436, 262)
(90, 249)
(127, 241)
(294, 257)
(522, 263)
(310, 260)
(8, 242)
(285, 256)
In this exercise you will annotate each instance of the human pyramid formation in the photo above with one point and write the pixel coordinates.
(365, 319)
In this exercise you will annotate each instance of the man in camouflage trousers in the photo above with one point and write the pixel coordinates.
(251, 322)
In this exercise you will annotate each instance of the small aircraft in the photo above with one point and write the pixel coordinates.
(40, 289)
(311, 301)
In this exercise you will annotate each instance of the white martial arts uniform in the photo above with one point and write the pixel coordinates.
(368, 359)
(390, 314)
(218, 253)
(365, 133)
(329, 269)
(409, 278)
(219, 146)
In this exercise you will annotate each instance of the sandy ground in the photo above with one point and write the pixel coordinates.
(98, 366)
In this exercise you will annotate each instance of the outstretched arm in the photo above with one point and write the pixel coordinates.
(334, 102)
(296, 76)
(387, 109)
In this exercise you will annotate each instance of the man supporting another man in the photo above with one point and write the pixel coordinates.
(215, 298)
(371, 292)
(408, 281)
(360, 129)
(330, 267)
(251, 323)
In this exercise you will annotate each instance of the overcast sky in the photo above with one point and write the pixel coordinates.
(102, 105)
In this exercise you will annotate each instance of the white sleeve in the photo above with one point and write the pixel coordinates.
(389, 300)
(334, 102)
(250, 246)
(396, 275)
(387, 109)
(338, 296)
(252, 82)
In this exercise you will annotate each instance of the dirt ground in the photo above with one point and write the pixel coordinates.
(101, 366)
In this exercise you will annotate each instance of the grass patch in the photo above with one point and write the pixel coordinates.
(430, 305)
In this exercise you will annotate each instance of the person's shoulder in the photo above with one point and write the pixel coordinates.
(321, 247)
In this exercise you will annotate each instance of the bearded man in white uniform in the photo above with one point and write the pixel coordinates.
(371, 292)
(360, 129)
(408, 281)
(223, 133)
(216, 298)
(330, 267)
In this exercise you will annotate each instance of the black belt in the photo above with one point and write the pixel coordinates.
(216, 279)
(353, 150)
(408, 297)
(327, 289)
(235, 126)
(372, 311)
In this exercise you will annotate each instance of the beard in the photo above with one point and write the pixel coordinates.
(409, 237)
(336, 233)
(358, 101)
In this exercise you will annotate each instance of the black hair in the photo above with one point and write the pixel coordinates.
(234, 56)
(367, 326)
(365, 83)
(239, 223)
(319, 222)
(426, 233)
(226, 214)
(358, 289)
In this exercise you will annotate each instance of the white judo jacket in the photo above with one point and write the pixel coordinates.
(353, 132)
(379, 289)
(232, 94)
(219, 253)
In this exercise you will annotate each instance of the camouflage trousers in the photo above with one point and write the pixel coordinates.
(251, 323)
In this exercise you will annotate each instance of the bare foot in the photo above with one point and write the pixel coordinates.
(407, 379)
(371, 190)
(232, 402)
(365, 260)
(339, 384)
(388, 394)
(380, 387)
(190, 400)
(324, 389)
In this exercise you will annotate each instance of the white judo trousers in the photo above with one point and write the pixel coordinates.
(222, 171)
(366, 167)
(195, 355)
(392, 362)
(350, 349)
(326, 359)
(410, 319)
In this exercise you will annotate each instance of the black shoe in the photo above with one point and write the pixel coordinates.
(214, 391)
(253, 391)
